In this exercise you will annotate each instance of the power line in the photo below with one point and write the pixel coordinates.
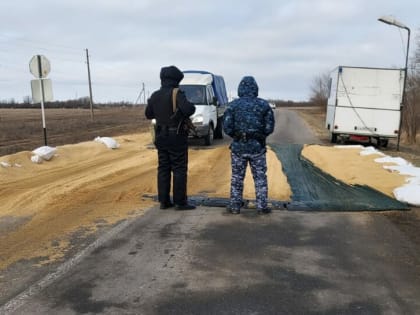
(31, 42)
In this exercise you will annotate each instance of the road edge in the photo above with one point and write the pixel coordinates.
(16, 302)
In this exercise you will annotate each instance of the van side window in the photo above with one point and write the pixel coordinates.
(209, 95)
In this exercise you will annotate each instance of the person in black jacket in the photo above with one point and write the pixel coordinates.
(171, 139)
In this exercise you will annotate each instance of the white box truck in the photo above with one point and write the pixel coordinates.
(364, 103)
(208, 93)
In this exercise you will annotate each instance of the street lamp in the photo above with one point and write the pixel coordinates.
(392, 21)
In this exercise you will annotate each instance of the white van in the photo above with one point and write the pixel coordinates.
(208, 93)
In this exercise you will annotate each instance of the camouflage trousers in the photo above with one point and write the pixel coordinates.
(258, 166)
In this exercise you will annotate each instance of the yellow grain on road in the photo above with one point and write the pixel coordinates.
(88, 185)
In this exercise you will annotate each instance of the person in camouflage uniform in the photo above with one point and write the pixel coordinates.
(248, 120)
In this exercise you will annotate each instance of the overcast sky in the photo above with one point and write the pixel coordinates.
(283, 44)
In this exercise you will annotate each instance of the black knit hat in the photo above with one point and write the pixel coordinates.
(172, 73)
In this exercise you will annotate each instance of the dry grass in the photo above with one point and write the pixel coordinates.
(21, 129)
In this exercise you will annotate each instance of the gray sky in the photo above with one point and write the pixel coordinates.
(283, 44)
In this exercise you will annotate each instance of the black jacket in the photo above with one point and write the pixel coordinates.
(159, 105)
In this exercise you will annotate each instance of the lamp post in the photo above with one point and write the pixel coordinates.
(392, 21)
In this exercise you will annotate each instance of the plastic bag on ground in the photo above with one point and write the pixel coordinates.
(36, 159)
(109, 142)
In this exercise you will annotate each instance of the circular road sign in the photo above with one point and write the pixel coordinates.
(39, 66)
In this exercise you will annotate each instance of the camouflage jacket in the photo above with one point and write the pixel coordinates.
(248, 119)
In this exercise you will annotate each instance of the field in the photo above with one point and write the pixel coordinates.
(22, 130)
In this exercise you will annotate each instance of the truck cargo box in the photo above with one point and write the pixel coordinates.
(365, 102)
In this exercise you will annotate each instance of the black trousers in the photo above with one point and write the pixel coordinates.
(172, 161)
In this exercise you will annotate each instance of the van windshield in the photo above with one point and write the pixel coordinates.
(196, 94)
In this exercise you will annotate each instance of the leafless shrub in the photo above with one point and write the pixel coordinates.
(320, 90)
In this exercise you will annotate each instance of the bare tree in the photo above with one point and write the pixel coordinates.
(320, 90)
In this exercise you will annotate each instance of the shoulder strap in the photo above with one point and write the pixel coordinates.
(174, 93)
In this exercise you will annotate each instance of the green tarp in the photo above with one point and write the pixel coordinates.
(313, 189)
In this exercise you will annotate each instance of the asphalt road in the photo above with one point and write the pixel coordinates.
(209, 262)
(290, 128)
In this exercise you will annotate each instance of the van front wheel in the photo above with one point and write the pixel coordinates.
(218, 133)
(208, 139)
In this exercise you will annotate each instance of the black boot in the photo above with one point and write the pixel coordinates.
(184, 207)
(166, 205)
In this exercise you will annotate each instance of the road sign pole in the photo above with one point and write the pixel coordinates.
(39, 66)
(41, 85)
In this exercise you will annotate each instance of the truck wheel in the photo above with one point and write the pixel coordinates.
(333, 138)
(208, 139)
(383, 143)
(218, 133)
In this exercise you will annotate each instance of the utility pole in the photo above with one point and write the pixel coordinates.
(90, 85)
(144, 95)
(142, 92)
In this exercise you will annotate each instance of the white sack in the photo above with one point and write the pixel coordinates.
(45, 152)
(5, 164)
(109, 142)
(36, 159)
